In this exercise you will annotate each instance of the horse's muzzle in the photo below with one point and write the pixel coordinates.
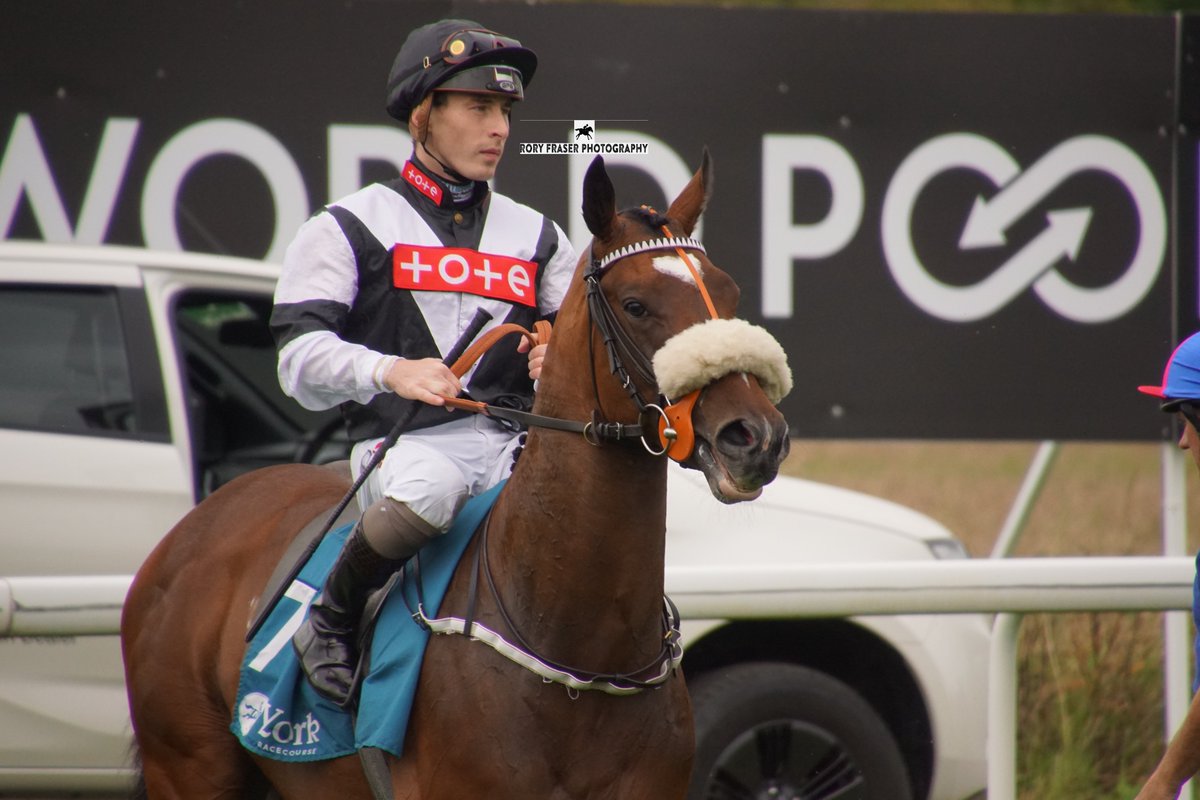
(744, 455)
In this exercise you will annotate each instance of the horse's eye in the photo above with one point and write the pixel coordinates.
(634, 309)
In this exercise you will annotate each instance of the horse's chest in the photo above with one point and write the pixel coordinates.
(519, 738)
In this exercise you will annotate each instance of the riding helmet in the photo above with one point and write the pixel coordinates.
(449, 54)
(1181, 377)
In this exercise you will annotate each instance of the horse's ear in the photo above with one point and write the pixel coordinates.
(687, 208)
(599, 200)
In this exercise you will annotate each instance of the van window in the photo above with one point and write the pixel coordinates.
(239, 417)
(64, 361)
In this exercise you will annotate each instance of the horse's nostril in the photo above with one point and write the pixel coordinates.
(737, 436)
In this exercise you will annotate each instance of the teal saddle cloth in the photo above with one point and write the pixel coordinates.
(280, 716)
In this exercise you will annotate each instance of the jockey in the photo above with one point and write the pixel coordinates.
(378, 286)
(1180, 394)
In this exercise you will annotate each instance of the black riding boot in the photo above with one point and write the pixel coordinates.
(326, 642)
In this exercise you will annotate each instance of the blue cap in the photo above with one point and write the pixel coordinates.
(1181, 378)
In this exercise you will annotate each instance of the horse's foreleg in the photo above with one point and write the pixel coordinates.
(340, 778)
(212, 769)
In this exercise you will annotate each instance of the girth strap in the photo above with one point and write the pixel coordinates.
(379, 777)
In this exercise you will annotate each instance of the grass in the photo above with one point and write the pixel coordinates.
(1090, 687)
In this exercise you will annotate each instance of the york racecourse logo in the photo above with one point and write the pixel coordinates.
(584, 138)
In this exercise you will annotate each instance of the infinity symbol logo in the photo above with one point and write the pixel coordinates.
(1033, 265)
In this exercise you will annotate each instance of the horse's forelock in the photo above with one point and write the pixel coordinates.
(647, 216)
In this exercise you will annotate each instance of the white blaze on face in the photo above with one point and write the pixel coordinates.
(674, 266)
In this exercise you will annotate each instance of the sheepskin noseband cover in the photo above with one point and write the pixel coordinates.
(709, 350)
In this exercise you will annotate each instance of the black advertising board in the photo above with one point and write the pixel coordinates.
(959, 226)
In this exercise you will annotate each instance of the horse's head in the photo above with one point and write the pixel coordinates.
(665, 320)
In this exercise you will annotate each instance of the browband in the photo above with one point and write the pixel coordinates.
(644, 246)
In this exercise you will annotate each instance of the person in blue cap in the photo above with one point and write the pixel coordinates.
(1180, 393)
(377, 287)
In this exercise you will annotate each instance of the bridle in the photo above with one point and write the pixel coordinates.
(674, 418)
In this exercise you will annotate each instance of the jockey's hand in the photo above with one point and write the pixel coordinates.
(427, 380)
(536, 356)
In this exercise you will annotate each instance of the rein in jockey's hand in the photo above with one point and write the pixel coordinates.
(431, 381)
(536, 356)
(427, 380)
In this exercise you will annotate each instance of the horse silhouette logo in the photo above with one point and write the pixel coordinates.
(251, 710)
(584, 128)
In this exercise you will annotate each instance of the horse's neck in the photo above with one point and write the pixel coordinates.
(581, 532)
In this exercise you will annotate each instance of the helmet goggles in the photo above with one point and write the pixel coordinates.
(464, 44)
(436, 53)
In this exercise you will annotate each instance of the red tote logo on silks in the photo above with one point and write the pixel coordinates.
(455, 269)
(422, 182)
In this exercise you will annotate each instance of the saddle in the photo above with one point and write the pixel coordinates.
(278, 715)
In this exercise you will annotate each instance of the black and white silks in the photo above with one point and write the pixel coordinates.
(396, 270)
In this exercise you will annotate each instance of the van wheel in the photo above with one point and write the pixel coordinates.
(786, 732)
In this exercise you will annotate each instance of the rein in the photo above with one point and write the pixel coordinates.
(674, 428)
(594, 431)
(673, 419)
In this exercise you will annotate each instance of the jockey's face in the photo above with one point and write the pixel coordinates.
(468, 132)
(1189, 439)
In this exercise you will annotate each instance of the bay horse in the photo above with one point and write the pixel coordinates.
(575, 547)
